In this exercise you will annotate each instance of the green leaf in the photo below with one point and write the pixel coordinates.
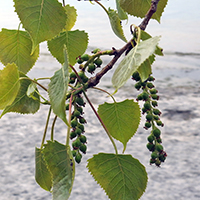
(133, 60)
(22, 103)
(71, 17)
(121, 176)
(122, 15)
(140, 8)
(58, 88)
(16, 48)
(121, 119)
(42, 174)
(43, 19)
(145, 68)
(145, 36)
(116, 24)
(75, 41)
(9, 85)
(62, 167)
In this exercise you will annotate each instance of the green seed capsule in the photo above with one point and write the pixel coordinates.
(85, 57)
(156, 111)
(83, 148)
(73, 135)
(98, 62)
(136, 76)
(78, 157)
(150, 138)
(91, 68)
(156, 132)
(152, 161)
(162, 158)
(67, 106)
(72, 75)
(82, 120)
(96, 50)
(76, 113)
(157, 162)
(76, 144)
(138, 85)
(74, 123)
(147, 105)
(156, 117)
(74, 153)
(151, 78)
(153, 91)
(159, 123)
(154, 103)
(147, 125)
(79, 61)
(154, 155)
(72, 80)
(150, 146)
(145, 96)
(159, 140)
(159, 147)
(80, 109)
(83, 139)
(80, 101)
(150, 85)
(81, 126)
(78, 131)
(155, 96)
(149, 117)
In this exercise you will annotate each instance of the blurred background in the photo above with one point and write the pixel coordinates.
(177, 76)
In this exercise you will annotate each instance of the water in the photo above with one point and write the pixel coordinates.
(177, 79)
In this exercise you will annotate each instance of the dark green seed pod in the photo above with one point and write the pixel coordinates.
(80, 126)
(144, 84)
(72, 75)
(80, 101)
(156, 132)
(155, 96)
(83, 148)
(147, 125)
(153, 91)
(79, 61)
(76, 144)
(78, 157)
(149, 117)
(147, 105)
(150, 146)
(151, 78)
(67, 106)
(76, 113)
(72, 80)
(159, 140)
(145, 96)
(144, 110)
(157, 163)
(73, 135)
(74, 123)
(159, 147)
(83, 139)
(138, 85)
(74, 153)
(159, 123)
(139, 97)
(150, 138)
(78, 131)
(154, 155)
(156, 117)
(162, 157)
(85, 57)
(154, 103)
(98, 62)
(150, 85)
(152, 161)
(136, 76)
(156, 112)
(91, 68)
(80, 109)
(82, 120)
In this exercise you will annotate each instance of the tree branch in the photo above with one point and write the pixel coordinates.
(93, 81)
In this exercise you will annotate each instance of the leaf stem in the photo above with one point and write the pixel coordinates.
(102, 6)
(46, 126)
(26, 78)
(105, 128)
(52, 128)
(69, 128)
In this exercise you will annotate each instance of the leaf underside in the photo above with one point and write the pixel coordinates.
(121, 176)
